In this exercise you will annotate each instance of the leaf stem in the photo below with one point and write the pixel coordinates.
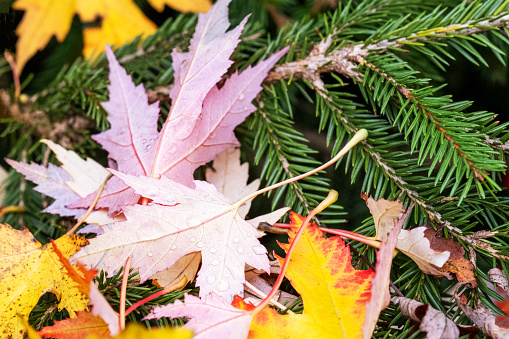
(371, 241)
(358, 137)
(330, 199)
(177, 286)
(9, 209)
(123, 292)
(15, 74)
(92, 205)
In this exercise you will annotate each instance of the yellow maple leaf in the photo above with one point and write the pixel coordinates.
(182, 6)
(333, 292)
(122, 21)
(136, 331)
(27, 271)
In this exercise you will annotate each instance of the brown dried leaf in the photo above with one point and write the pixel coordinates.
(456, 263)
(187, 266)
(485, 319)
(264, 282)
(385, 213)
(432, 321)
(498, 277)
(434, 255)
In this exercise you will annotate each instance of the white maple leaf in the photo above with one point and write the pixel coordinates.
(156, 236)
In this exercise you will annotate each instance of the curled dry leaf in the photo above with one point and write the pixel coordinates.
(385, 213)
(485, 319)
(187, 266)
(434, 255)
(498, 277)
(264, 282)
(435, 323)
(27, 271)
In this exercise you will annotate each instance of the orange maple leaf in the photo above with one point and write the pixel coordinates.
(84, 325)
(333, 292)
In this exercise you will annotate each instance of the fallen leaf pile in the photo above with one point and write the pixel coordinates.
(333, 292)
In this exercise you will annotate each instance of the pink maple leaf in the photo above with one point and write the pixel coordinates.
(211, 317)
(202, 117)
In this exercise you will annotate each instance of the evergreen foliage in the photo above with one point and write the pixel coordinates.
(373, 64)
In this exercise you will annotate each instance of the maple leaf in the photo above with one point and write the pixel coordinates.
(211, 316)
(27, 271)
(122, 21)
(202, 117)
(75, 179)
(84, 325)
(156, 236)
(230, 177)
(333, 292)
(182, 6)
(102, 320)
(336, 309)
(434, 255)
(137, 331)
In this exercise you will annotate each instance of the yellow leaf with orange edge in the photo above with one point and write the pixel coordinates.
(27, 271)
(136, 331)
(80, 327)
(333, 292)
(182, 6)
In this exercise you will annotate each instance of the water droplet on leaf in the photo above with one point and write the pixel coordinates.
(193, 221)
(199, 244)
(236, 240)
(215, 262)
(211, 279)
(241, 96)
(259, 250)
(240, 250)
(213, 250)
(173, 247)
(172, 148)
(193, 239)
